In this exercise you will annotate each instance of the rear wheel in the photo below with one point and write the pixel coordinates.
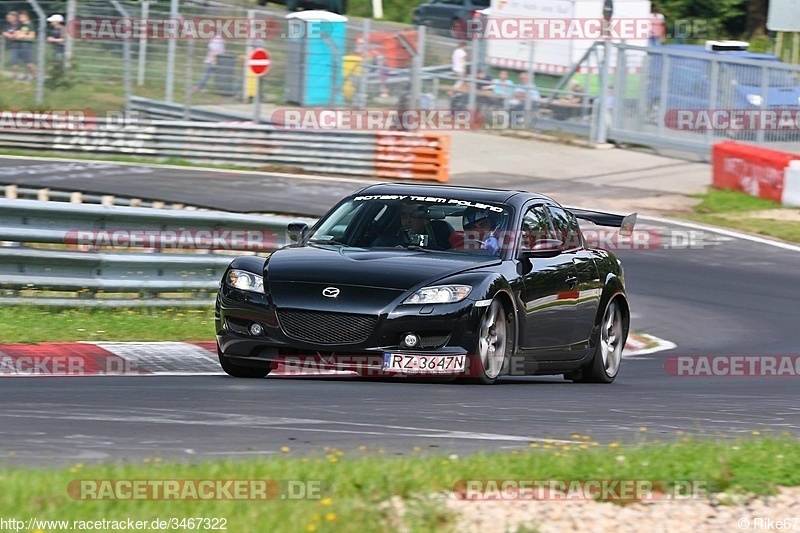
(493, 344)
(608, 353)
(239, 371)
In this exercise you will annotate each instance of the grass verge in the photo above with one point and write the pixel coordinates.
(356, 485)
(32, 324)
(740, 211)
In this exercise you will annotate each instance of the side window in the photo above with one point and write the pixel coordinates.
(535, 227)
(566, 227)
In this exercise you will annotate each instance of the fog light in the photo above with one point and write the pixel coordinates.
(256, 329)
(410, 340)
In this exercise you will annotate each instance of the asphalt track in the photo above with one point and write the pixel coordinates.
(727, 297)
(250, 192)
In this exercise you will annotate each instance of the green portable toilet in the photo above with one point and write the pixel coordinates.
(314, 58)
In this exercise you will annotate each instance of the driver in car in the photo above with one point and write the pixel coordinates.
(482, 229)
(415, 230)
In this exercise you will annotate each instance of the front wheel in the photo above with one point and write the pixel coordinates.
(239, 371)
(608, 353)
(493, 344)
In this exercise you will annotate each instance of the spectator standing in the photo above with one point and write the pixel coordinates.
(216, 46)
(459, 63)
(25, 35)
(10, 34)
(56, 37)
(657, 28)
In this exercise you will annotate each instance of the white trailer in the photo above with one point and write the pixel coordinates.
(559, 50)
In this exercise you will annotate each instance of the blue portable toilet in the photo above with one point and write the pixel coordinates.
(314, 52)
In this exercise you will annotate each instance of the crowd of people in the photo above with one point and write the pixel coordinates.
(501, 91)
(20, 35)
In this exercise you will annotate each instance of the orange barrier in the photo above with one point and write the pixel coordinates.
(406, 155)
(751, 169)
(391, 45)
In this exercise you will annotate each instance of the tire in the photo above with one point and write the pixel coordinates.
(239, 371)
(605, 364)
(493, 344)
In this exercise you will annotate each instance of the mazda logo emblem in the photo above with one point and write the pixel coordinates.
(330, 292)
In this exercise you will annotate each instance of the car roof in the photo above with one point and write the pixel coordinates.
(512, 197)
(700, 49)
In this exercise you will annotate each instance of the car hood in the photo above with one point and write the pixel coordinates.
(387, 268)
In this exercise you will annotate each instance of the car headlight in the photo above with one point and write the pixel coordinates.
(440, 294)
(754, 99)
(246, 281)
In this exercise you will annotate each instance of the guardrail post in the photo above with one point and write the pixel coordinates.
(360, 101)
(40, 55)
(760, 136)
(416, 68)
(527, 104)
(713, 97)
(171, 45)
(602, 115)
(472, 100)
(187, 80)
(68, 41)
(143, 45)
(620, 87)
(126, 54)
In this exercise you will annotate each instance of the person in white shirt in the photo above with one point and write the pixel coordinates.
(459, 63)
(216, 46)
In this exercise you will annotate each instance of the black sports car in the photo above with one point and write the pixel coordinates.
(435, 280)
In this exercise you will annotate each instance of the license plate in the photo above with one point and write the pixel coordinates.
(424, 364)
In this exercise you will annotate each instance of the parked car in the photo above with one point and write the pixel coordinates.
(449, 15)
(334, 6)
(399, 280)
(740, 74)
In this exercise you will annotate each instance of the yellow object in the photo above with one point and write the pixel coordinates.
(251, 84)
(351, 68)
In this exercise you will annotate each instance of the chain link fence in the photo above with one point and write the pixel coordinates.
(366, 64)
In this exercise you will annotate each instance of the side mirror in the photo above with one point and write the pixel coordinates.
(297, 230)
(543, 248)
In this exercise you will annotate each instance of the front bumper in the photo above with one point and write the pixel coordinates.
(448, 330)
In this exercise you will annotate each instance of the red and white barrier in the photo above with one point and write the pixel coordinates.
(769, 174)
(64, 359)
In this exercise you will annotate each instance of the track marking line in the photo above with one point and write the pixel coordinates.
(726, 232)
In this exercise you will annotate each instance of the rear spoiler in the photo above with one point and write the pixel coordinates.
(625, 223)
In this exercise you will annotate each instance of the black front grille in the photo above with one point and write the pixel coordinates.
(326, 328)
(433, 340)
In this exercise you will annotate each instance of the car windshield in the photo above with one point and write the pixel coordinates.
(421, 223)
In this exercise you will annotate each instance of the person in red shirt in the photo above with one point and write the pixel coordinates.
(658, 28)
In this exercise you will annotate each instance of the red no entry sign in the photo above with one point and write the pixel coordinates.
(259, 62)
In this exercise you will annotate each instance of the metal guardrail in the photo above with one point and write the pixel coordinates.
(159, 109)
(175, 252)
(390, 154)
